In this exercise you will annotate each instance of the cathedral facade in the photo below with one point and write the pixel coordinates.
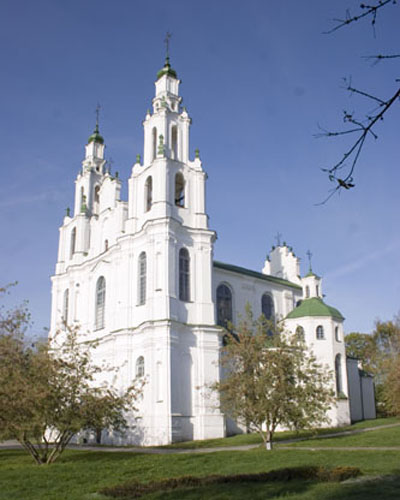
(139, 277)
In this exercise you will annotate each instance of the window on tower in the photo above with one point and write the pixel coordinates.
(224, 305)
(338, 374)
(179, 190)
(65, 307)
(184, 275)
(140, 367)
(100, 302)
(96, 200)
(149, 193)
(73, 243)
(174, 143)
(320, 332)
(142, 271)
(154, 143)
(300, 334)
(307, 292)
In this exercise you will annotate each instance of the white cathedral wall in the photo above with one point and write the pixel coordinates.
(247, 289)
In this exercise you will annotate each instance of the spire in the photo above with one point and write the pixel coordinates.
(96, 137)
(309, 255)
(166, 69)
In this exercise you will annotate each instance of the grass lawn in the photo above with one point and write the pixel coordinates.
(244, 439)
(81, 474)
(378, 437)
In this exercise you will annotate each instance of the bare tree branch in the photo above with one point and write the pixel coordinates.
(379, 57)
(368, 10)
(354, 151)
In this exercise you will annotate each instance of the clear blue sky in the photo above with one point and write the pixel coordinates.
(257, 78)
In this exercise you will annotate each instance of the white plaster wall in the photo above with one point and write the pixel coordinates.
(248, 289)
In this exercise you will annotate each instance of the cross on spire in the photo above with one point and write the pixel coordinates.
(97, 116)
(278, 238)
(166, 41)
(309, 255)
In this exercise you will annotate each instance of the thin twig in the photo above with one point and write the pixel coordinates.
(370, 10)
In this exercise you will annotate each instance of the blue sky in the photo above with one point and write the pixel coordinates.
(258, 77)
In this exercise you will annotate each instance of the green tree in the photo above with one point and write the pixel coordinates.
(49, 392)
(379, 354)
(271, 380)
(363, 347)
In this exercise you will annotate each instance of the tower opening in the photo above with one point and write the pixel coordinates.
(174, 142)
(96, 200)
(148, 193)
(73, 243)
(179, 190)
(154, 143)
(184, 275)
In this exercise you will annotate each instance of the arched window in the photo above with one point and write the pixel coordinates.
(337, 334)
(179, 190)
(149, 193)
(73, 243)
(184, 275)
(320, 332)
(154, 143)
(307, 292)
(267, 306)
(140, 367)
(96, 200)
(224, 305)
(100, 302)
(65, 306)
(317, 290)
(338, 374)
(174, 143)
(300, 334)
(142, 278)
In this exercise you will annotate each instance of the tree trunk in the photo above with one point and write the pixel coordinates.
(268, 440)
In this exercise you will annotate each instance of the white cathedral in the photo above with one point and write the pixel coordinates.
(139, 277)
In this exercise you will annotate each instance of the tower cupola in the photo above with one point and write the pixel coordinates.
(94, 149)
(96, 137)
(167, 70)
(311, 282)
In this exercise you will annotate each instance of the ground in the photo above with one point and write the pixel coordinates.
(80, 474)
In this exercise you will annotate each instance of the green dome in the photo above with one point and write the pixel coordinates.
(96, 137)
(314, 307)
(166, 70)
(311, 273)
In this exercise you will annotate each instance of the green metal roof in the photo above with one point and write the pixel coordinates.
(96, 137)
(314, 307)
(255, 274)
(166, 70)
(311, 273)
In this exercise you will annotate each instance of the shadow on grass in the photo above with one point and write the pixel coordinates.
(237, 491)
(299, 476)
(95, 456)
(387, 487)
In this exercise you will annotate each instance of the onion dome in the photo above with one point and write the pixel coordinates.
(167, 70)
